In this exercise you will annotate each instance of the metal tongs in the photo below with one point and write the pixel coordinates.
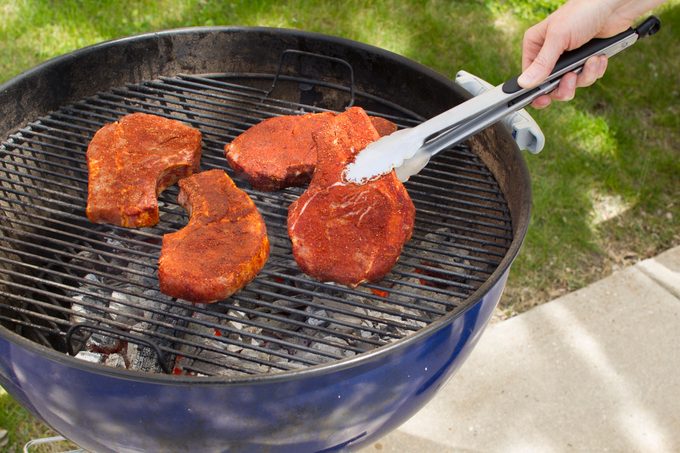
(409, 150)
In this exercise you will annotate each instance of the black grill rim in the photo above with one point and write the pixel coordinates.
(15, 86)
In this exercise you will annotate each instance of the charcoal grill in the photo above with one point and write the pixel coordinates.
(270, 366)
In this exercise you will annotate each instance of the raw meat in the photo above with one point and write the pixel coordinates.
(280, 152)
(130, 162)
(222, 248)
(383, 126)
(343, 232)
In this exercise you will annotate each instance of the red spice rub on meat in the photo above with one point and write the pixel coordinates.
(383, 126)
(280, 152)
(349, 233)
(133, 160)
(221, 249)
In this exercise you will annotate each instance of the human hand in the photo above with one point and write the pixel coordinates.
(569, 27)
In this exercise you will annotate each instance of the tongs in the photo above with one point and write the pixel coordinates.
(409, 150)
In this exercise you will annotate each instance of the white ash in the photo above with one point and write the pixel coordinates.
(273, 324)
(444, 248)
(347, 323)
(87, 305)
(339, 348)
(143, 274)
(407, 286)
(215, 353)
(122, 296)
(337, 311)
(140, 357)
(243, 325)
(115, 361)
(124, 309)
(92, 357)
(82, 312)
(339, 351)
(316, 316)
(280, 320)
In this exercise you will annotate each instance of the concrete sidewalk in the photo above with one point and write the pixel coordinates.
(595, 370)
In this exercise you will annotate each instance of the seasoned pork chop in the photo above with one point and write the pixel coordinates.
(221, 249)
(280, 152)
(343, 232)
(383, 126)
(130, 162)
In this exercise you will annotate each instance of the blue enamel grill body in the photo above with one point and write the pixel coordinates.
(335, 406)
(342, 407)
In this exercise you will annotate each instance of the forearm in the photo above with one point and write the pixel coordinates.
(630, 9)
(635, 7)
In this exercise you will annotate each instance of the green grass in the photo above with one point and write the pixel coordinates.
(615, 145)
(22, 427)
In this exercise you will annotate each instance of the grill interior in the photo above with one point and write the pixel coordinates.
(92, 291)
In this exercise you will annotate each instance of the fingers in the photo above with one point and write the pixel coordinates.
(544, 62)
(566, 89)
(541, 102)
(532, 43)
(564, 92)
(593, 70)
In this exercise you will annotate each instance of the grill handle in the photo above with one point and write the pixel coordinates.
(319, 56)
(525, 131)
(116, 333)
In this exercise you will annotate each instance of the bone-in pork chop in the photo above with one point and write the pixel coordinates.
(280, 152)
(221, 249)
(383, 126)
(343, 232)
(130, 162)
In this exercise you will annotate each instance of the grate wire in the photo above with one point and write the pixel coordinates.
(57, 270)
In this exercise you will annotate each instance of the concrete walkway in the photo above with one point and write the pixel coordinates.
(595, 370)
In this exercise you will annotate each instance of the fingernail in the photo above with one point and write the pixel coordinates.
(541, 103)
(522, 80)
(526, 79)
(603, 65)
(572, 89)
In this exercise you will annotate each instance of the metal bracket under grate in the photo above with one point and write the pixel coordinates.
(92, 289)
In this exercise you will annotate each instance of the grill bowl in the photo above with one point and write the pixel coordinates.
(342, 403)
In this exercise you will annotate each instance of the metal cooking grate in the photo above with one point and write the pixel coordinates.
(91, 290)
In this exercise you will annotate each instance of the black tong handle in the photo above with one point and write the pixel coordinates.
(593, 47)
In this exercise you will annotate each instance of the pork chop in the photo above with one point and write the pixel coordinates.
(221, 249)
(343, 232)
(383, 126)
(280, 152)
(130, 162)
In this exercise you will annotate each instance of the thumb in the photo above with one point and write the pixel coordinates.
(543, 64)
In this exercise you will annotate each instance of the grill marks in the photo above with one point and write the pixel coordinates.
(48, 247)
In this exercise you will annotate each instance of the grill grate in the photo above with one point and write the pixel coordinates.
(91, 289)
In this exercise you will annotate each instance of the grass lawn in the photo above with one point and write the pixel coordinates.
(606, 188)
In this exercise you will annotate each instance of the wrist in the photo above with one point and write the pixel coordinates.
(601, 7)
(636, 8)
